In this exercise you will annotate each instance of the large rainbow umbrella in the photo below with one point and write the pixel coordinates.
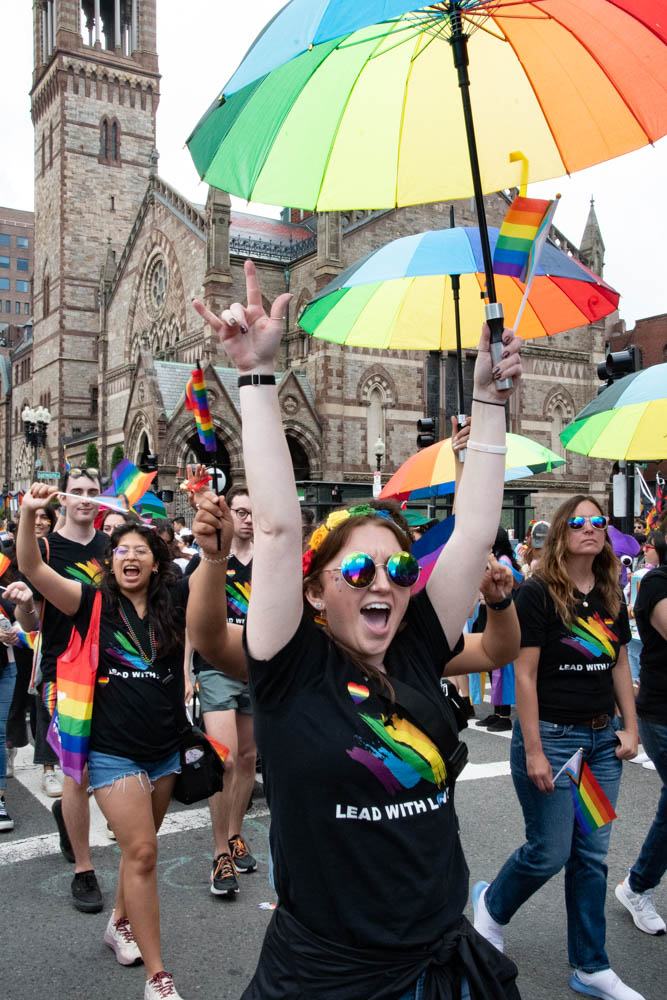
(401, 296)
(627, 421)
(431, 472)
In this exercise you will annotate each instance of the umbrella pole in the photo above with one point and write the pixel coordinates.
(493, 309)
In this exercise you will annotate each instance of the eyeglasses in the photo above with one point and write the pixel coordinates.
(77, 473)
(359, 570)
(241, 513)
(123, 550)
(597, 521)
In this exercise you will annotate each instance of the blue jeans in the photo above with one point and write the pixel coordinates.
(634, 649)
(7, 681)
(651, 864)
(105, 768)
(554, 841)
(417, 991)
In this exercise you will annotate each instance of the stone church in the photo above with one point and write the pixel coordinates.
(119, 254)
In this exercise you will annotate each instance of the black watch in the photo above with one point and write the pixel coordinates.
(501, 605)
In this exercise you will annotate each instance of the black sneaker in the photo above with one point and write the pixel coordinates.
(6, 821)
(86, 892)
(488, 720)
(223, 876)
(241, 856)
(65, 845)
(503, 724)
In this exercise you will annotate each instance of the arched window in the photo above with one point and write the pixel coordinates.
(51, 144)
(46, 296)
(558, 422)
(104, 139)
(114, 142)
(299, 458)
(43, 151)
(374, 422)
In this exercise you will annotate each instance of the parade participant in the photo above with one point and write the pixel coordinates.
(571, 670)
(225, 705)
(348, 776)
(650, 609)
(76, 551)
(137, 715)
(8, 639)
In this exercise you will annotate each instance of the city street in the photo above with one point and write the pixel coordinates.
(211, 945)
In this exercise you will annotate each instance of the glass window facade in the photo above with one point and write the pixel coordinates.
(4, 239)
(22, 286)
(4, 284)
(23, 242)
(4, 261)
(22, 264)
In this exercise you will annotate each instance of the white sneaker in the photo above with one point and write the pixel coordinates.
(642, 908)
(6, 821)
(484, 922)
(11, 754)
(649, 765)
(640, 758)
(120, 939)
(52, 785)
(604, 984)
(161, 987)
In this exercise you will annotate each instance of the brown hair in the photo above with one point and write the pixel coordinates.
(330, 546)
(552, 568)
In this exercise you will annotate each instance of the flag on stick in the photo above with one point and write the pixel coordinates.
(520, 240)
(592, 808)
(195, 400)
(127, 480)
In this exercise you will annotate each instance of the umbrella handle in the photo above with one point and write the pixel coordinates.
(461, 417)
(496, 321)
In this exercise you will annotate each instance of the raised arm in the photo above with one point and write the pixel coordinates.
(57, 590)
(252, 339)
(455, 580)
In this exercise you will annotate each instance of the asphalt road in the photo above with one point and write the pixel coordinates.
(49, 950)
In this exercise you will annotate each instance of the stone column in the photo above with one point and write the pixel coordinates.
(98, 24)
(45, 34)
(116, 25)
(134, 36)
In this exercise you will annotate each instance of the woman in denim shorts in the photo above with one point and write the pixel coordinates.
(138, 711)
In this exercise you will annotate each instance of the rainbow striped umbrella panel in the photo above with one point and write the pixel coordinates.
(400, 296)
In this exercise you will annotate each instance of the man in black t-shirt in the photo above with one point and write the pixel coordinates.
(76, 551)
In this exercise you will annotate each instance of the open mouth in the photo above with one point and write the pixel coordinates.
(131, 572)
(376, 616)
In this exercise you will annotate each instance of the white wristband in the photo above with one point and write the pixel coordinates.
(492, 449)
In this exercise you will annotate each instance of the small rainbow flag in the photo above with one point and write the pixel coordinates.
(150, 506)
(5, 563)
(67, 465)
(127, 480)
(195, 400)
(592, 808)
(519, 238)
(220, 748)
(27, 639)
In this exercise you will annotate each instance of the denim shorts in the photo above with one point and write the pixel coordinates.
(105, 768)
(220, 693)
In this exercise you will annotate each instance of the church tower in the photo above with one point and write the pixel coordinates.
(94, 98)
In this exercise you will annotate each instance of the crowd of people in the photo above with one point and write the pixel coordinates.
(318, 647)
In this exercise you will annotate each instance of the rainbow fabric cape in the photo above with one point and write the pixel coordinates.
(524, 229)
(5, 563)
(127, 480)
(592, 808)
(195, 400)
(69, 731)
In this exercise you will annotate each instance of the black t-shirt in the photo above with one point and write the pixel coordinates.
(238, 594)
(574, 679)
(75, 562)
(363, 830)
(652, 697)
(138, 707)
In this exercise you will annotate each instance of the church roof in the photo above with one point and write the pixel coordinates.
(258, 226)
(173, 376)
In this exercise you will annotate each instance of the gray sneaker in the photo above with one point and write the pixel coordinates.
(11, 756)
(6, 821)
(641, 907)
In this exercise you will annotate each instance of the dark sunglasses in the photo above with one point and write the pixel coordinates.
(596, 521)
(359, 571)
(77, 473)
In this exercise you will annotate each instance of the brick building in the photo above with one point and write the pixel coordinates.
(17, 246)
(119, 254)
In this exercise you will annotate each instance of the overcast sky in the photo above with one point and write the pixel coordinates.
(200, 44)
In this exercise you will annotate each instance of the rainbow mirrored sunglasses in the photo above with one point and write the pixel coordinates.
(598, 521)
(359, 570)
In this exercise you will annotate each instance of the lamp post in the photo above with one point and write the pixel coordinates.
(35, 425)
(379, 450)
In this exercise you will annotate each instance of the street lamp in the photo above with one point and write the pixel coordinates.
(35, 425)
(379, 450)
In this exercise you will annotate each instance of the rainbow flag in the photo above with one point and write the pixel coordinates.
(592, 808)
(27, 639)
(195, 400)
(127, 480)
(524, 229)
(220, 748)
(150, 506)
(67, 465)
(5, 563)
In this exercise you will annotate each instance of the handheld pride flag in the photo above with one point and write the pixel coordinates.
(592, 808)
(127, 480)
(5, 563)
(195, 400)
(520, 240)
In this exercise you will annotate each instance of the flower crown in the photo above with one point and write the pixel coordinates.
(334, 519)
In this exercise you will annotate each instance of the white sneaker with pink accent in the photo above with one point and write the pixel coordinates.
(120, 939)
(161, 987)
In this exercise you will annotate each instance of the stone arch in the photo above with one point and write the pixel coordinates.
(559, 410)
(377, 392)
(139, 320)
(180, 436)
(139, 430)
(306, 441)
(305, 295)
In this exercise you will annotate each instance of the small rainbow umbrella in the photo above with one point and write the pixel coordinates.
(401, 296)
(628, 421)
(431, 471)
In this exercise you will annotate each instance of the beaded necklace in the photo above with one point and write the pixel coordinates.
(151, 636)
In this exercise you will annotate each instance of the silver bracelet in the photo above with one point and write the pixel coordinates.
(492, 449)
(32, 611)
(209, 559)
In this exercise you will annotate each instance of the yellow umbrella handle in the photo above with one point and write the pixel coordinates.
(518, 155)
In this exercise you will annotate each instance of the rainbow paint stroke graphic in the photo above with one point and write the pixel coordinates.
(592, 637)
(127, 656)
(88, 572)
(358, 692)
(238, 597)
(592, 808)
(398, 754)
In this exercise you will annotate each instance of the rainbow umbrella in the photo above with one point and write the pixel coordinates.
(626, 421)
(431, 471)
(400, 297)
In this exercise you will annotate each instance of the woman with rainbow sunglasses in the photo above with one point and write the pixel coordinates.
(369, 869)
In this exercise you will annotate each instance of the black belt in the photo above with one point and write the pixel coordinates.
(597, 722)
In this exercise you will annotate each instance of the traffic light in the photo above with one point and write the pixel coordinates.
(617, 364)
(425, 432)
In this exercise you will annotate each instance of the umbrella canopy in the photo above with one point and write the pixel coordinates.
(431, 471)
(400, 296)
(627, 421)
(330, 110)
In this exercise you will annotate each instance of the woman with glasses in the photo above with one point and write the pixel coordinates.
(137, 712)
(369, 870)
(571, 673)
